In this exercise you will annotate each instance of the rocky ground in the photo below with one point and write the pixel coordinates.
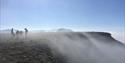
(20, 52)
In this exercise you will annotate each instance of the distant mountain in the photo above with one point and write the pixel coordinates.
(63, 30)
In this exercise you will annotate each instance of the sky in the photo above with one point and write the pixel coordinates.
(81, 15)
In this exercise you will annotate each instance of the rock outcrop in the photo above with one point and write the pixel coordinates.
(61, 47)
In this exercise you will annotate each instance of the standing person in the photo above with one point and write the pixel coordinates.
(17, 32)
(12, 32)
(26, 30)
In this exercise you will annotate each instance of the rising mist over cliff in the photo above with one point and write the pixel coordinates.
(61, 47)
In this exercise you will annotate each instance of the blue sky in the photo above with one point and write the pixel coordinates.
(95, 15)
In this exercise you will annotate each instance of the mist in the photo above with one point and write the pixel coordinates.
(78, 47)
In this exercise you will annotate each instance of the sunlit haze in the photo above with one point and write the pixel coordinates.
(78, 15)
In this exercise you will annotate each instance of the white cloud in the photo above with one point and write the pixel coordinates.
(119, 36)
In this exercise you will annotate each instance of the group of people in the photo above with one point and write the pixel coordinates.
(18, 32)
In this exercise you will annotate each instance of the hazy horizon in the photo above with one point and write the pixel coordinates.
(79, 15)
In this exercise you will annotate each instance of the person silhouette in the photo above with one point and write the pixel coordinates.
(12, 32)
(26, 30)
(17, 32)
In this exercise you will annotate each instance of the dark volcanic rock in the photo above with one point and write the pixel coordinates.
(19, 52)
